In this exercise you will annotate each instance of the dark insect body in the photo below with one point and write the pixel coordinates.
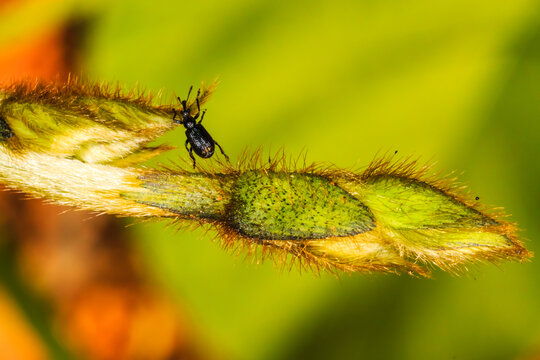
(197, 137)
(5, 130)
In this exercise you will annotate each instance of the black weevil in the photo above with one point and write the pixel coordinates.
(200, 140)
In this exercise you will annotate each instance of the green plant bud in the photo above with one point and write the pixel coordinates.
(90, 123)
(294, 206)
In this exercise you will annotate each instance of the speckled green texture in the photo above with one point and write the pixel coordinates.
(291, 206)
(408, 204)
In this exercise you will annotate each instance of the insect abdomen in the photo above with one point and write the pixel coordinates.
(201, 141)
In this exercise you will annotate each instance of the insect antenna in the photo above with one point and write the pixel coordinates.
(184, 102)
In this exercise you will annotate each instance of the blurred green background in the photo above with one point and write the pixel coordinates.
(456, 82)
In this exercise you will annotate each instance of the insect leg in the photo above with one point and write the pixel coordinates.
(190, 151)
(219, 146)
(202, 117)
(174, 117)
(198, 105)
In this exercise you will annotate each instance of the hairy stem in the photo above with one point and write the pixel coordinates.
(83, 145)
